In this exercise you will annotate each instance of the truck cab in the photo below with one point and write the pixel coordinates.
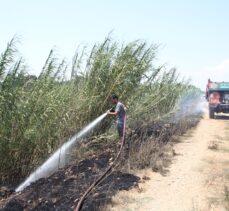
(217, 95)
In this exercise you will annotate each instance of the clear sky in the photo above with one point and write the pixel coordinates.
(194, 34)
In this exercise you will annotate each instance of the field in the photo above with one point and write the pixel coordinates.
(39, 113)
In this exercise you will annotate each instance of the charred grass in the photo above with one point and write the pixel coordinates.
(147, 148)
(40, 113)
(153, 148)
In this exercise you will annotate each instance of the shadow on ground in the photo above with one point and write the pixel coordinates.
(222, 117)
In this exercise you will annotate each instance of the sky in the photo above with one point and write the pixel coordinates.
(193, 35)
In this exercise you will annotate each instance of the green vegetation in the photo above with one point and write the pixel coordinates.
(39, 113)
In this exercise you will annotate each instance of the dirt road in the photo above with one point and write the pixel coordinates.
(197, 179)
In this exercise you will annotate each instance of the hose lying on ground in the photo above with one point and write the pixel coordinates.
(81, 201)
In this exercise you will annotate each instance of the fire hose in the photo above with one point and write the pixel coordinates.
(101, 177)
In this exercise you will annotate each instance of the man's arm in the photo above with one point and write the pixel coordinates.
(112, 113)
(117, 110)
(125, 107)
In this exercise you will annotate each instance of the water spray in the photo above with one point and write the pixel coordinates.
(57, 159)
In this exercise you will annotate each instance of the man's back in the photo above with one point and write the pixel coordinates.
(120, 109)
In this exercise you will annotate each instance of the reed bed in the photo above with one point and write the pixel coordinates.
(39, 113)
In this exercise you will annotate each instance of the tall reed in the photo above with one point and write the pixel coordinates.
(38, 113)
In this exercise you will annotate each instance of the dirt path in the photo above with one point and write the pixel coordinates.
(197, 178)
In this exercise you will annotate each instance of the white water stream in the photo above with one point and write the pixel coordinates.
(57, 159)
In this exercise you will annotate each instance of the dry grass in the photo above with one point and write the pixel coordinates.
(226, 172)
(226, 200)
(39, 113)
(154, 148)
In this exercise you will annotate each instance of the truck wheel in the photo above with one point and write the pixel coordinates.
(211, 113)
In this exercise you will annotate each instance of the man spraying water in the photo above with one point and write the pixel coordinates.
(120, 112)
(57, 159)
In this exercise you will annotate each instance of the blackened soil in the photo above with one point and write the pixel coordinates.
(63, 189)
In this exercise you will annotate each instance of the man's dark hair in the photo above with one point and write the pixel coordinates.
(114, 96)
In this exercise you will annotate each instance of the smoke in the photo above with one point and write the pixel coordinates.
(190, 106)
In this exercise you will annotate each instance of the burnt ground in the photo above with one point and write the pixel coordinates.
(63, 189)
